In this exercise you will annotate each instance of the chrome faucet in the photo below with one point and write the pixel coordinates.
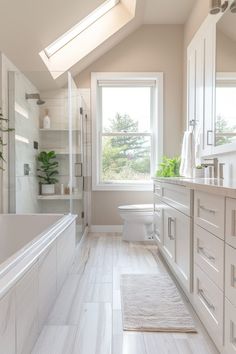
(213, 163)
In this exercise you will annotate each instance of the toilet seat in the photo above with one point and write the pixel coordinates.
(136, 208)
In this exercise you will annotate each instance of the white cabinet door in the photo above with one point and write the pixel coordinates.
(209, 55)
(201, 57)
(183, 244)
(169, 222)
(191, 82)
(177, 241)
(230, 232)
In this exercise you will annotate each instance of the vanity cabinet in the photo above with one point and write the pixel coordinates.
(173, 229)
(195, 232)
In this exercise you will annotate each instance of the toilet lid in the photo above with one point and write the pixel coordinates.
(137, 207)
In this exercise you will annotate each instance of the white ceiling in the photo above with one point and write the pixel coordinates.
(28, 26)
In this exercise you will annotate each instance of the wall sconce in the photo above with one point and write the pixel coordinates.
(217, 7)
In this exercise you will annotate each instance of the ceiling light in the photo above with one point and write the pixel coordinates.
(217, 7)
(233, 7)
(80, 27)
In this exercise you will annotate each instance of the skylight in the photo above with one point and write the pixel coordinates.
(80, 27)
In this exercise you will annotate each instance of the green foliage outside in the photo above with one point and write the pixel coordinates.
(169, 167)
(47, 167)
(125, 157)
(223, 127)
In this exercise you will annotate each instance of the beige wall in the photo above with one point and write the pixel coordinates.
(150, 48)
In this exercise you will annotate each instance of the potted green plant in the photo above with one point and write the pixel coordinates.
(169, 167)
(47, 172)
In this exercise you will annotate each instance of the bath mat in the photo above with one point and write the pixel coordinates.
(152, 303)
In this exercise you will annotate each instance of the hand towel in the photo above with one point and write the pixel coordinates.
(197, 146)
(186, 165)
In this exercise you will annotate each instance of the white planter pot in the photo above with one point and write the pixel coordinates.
(47, 189)
(198, 173)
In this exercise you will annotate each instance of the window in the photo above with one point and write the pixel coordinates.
(225, 123)
(80, 27)
(127, 129)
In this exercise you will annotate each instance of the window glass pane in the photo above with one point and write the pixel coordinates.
(125, 158)
(225, 124)
(126, 109)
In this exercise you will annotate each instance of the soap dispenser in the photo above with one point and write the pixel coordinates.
(46, 120)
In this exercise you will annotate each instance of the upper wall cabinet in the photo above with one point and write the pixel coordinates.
(212, 84)
(200, 85)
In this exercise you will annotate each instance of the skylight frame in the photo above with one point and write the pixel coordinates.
(81, 26)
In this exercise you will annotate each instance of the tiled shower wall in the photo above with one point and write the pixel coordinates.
(27, 132)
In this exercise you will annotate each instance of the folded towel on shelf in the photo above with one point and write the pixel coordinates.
(187, 163)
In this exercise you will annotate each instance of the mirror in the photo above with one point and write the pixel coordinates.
(225, 93)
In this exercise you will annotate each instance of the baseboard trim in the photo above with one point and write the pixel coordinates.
(106, 228)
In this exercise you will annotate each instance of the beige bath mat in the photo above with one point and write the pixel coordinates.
(152, 303)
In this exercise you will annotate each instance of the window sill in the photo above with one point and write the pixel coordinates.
(124, 187)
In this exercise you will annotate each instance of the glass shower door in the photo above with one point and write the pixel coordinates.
(75, 116)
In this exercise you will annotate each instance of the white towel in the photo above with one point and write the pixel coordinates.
(197, 146)
(186, 165)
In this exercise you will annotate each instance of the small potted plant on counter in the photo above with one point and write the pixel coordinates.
(198, 171)
(169, 167)
(47, 172)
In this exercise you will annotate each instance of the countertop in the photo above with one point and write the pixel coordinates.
(211, 185)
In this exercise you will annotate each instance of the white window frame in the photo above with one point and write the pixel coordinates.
(156, 120)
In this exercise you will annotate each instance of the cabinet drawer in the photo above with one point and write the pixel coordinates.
(230, 328)
(230, 274)
(209, 212)
(178, 197)
(231, 222)
(208, 301)
(209, 254)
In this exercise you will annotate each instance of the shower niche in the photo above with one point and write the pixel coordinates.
(64, 135)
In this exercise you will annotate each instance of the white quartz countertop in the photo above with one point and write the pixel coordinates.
(211, 185)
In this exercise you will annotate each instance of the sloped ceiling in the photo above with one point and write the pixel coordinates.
(28, 26)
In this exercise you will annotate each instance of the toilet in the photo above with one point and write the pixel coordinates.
(138, 221)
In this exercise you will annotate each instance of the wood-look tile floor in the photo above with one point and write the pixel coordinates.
(86, 317)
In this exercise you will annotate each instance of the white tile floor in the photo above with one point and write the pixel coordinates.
(86, 317)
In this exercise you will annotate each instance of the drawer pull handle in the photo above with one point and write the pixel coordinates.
(170, 221)
(211, 258)
(208, 137)
(209, 305)
(233, 217)
(232, 336)
(233, 277)
(211, 211)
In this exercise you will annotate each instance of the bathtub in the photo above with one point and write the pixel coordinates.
(36, 252)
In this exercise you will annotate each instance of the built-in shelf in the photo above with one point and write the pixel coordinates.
(61, 152)
(58, 130)
(60, 197)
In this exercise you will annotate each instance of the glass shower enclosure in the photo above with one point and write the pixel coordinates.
(45, 121)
